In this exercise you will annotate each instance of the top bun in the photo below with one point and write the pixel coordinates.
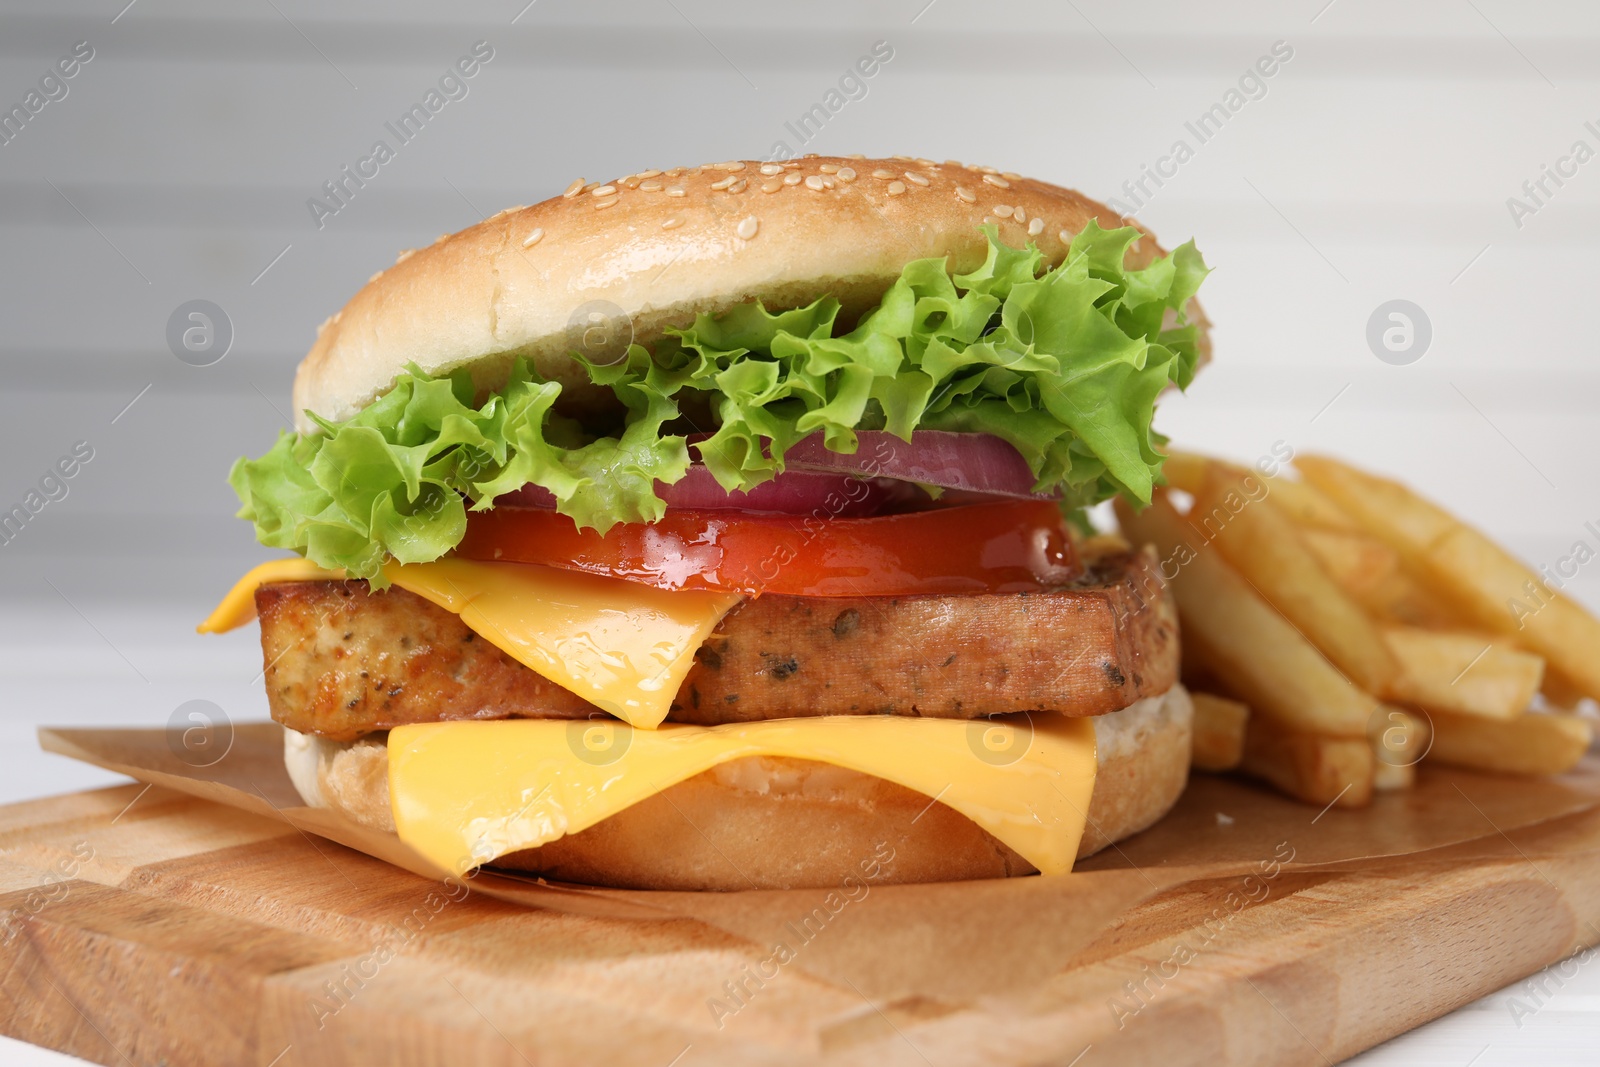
(654, 249)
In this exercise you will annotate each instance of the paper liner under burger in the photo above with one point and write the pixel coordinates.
(951, 942)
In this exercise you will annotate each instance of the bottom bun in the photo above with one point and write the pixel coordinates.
(770, 823)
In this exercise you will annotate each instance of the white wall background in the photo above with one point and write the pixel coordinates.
(1377, 166)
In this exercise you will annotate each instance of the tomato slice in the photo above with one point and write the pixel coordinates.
(1014, 546)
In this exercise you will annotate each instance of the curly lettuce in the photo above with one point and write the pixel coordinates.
(1064, 363)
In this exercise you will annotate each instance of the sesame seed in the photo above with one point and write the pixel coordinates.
(723, 184)
(604, 190)
(650, 187)
(532, 239)
(574, 189)
(988, 170)
(903, 159)
(990, 220)
(794, 177)
(1003, 211)
(648, 174)
(674, 190)
(883, 175)
(770, 169)
(771, 185)
(608, 201)
(954, 163)
(855, 155)
(997, 181)
(748, 227)
(630, 182)
(897, 188)
(916, 179)
(1064, 237)
(733, 165)
(829, 168)
(1036, 227)
(791, 166)
(1011, 176)
(671, 223)
(1020, 215)
(591, 185)
(407, 253)
(814, 182)
(965, 194)
(847, 174)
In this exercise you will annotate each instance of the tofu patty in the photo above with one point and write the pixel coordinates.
(343, 661)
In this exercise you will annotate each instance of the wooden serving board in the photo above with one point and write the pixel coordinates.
(144, 926)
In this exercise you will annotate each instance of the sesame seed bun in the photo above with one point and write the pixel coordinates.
(787, 824)
(651, 250)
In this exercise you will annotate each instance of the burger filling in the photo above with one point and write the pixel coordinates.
(343, 662)
(1063, 365)
(778, 515)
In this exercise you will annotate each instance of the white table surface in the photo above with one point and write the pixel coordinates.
(64, 668)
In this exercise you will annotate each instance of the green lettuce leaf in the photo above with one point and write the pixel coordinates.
(1066, 364)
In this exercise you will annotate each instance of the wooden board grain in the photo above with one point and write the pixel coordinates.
(143, 926)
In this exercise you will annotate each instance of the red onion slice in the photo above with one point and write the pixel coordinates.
(876, 480)
(973, 462)
(833, 493)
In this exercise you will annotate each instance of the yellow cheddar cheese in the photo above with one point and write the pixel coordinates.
(464, 793)
(622, 646)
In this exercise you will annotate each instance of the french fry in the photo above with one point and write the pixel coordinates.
(1102, 544)
(1469, 569)
(1308, 507)
(1371, 573)
(1218, 740)
(1247, 645)
(1542, 621)
(1385, 509)
(1195, 667)
(1361, 564)
(1558, 692)
(1186, 470)
(1263, 547)
(1302, 503)
(1400, 739)
(1406, 601)
(1531, 744)
(1309, 767)
(1393, 777)
(1468, 673)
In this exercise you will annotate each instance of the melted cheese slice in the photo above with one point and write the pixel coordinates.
(239, 605)
(464, 793)
(622, 646)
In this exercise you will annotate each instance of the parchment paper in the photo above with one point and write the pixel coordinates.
(951, 942)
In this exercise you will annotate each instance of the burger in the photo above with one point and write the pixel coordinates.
(724, 527)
